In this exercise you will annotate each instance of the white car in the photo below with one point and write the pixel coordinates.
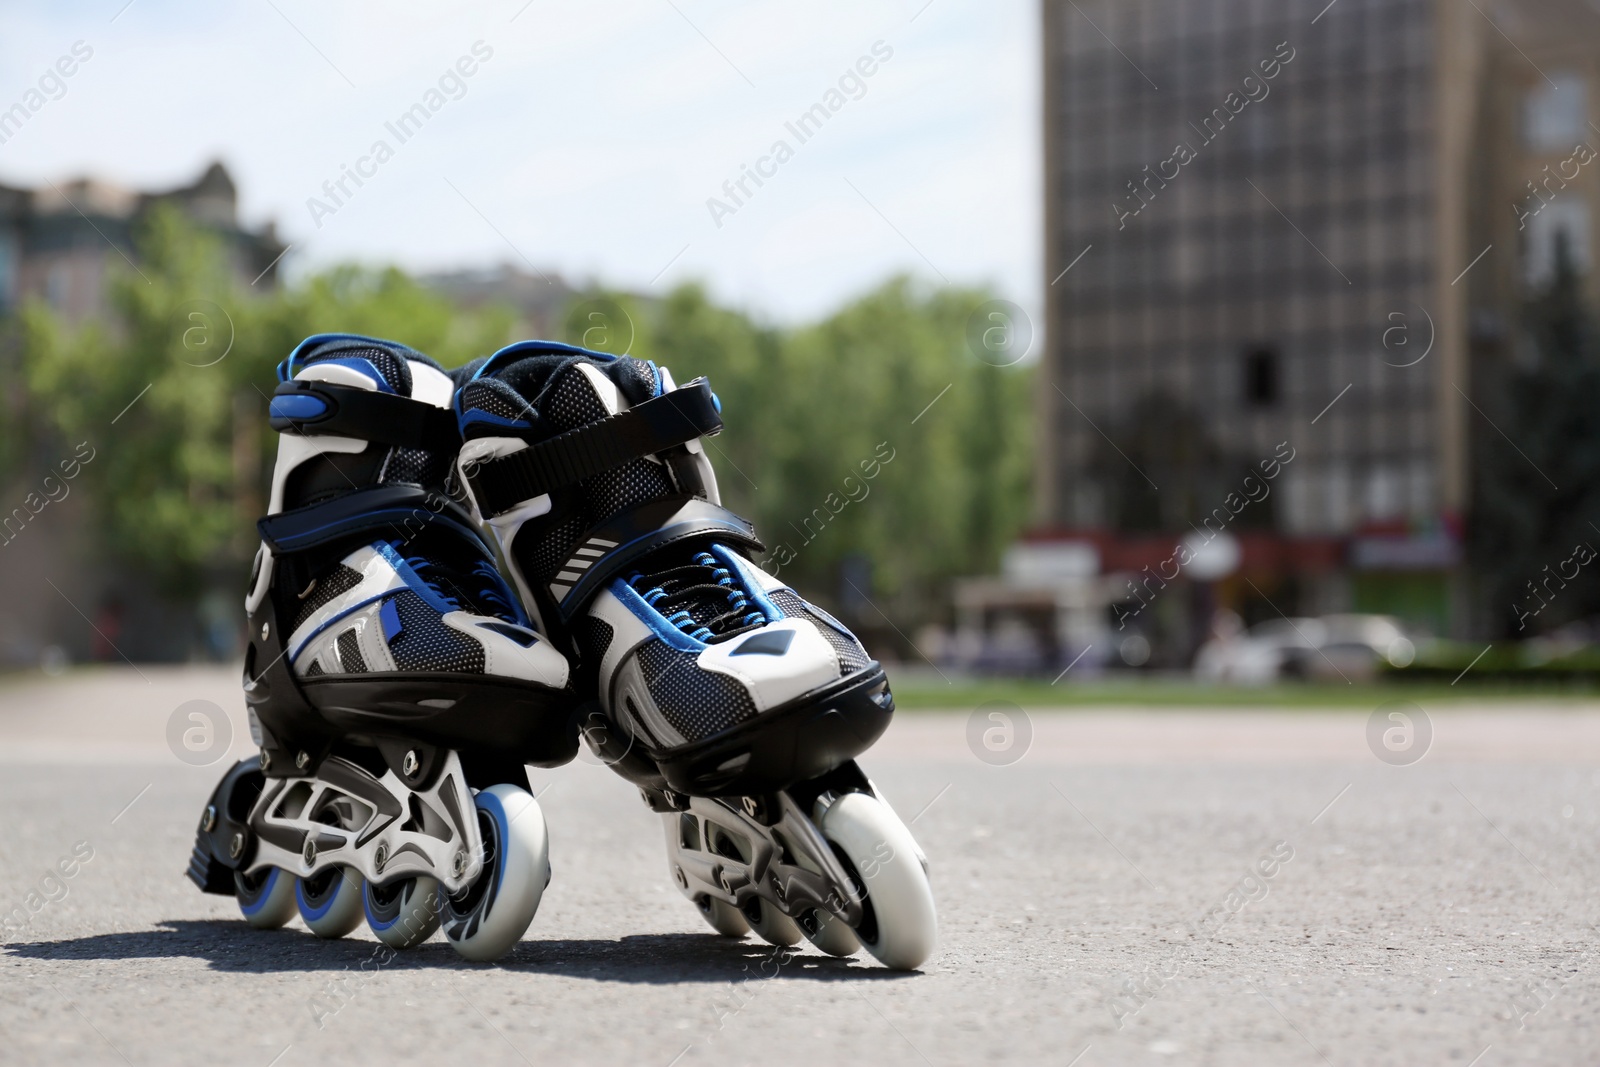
(1340, 647)
(1377, 640)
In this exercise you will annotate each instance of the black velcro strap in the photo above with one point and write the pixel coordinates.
(386, 512)
(673, 418)
(312, 407)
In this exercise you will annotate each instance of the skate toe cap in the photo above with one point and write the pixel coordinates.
(511, 651)
(776, 663)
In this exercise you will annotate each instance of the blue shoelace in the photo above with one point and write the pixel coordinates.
(491, 596)
(702, 583)
(494, 593)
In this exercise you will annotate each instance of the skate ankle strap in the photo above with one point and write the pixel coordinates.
(316, 407)
(610, 549)
(381, 511)
(671, 419)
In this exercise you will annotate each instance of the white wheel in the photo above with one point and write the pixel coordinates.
(330, 902)
(488, 917)
(266, 899)
(403, 914)
(899, 926)
(770, 924)
(724, 918)
(829, 933)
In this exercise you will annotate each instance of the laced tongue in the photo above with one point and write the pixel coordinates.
(488, 597)
(701, 598)
(493, 595)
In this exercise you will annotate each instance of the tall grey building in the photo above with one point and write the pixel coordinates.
(1298, 222)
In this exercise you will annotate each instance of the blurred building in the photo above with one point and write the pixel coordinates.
(539, 301)
(1306, 226)
(59, 241)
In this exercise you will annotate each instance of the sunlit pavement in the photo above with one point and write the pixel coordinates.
(1140, 886)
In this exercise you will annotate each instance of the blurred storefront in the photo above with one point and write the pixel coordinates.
(1093, 599)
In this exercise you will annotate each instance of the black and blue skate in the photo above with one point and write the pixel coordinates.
(395, 686)
(736, 705)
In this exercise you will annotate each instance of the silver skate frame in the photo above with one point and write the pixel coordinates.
(344, 816)
(815, 878)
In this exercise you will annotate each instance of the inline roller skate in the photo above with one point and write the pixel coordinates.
(737, 707)
(395, 686)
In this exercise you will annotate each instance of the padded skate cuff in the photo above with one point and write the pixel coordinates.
(674, 418)
(613, 546)
(380, 511)
(313, 407)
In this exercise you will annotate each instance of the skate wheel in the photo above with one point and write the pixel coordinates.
(724, 918)
(489, 916)
(828, 932)
(899, 926)
(403, 914)
(266, 899)
(770, 924)
(330, 902)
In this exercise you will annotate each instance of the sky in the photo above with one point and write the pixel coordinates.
(589, 139)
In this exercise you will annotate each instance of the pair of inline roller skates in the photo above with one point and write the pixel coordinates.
(460, 572)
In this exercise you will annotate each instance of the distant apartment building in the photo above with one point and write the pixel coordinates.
(538, 300)
(1307, 225)
(61, 243)
(60, 239)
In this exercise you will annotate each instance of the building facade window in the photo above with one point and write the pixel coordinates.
(1262, 379)
(1555, 116)
(1385, 496)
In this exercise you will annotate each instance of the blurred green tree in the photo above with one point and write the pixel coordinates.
(872, 445)
(878, 456)
(147, 393)
(180, 475)
(1537, 502)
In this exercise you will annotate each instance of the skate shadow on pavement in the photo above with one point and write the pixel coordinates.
(653, 959)
(666, 959)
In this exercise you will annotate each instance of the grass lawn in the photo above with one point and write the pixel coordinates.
(920, 691)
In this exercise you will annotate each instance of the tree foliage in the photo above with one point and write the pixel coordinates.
(172, 393)
(136, 389)
(1538, 500)
(872, 446)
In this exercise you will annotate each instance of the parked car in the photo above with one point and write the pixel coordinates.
(1365, 644)
(1337, 647)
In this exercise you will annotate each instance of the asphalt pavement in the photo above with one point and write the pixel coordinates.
(1116, 886)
